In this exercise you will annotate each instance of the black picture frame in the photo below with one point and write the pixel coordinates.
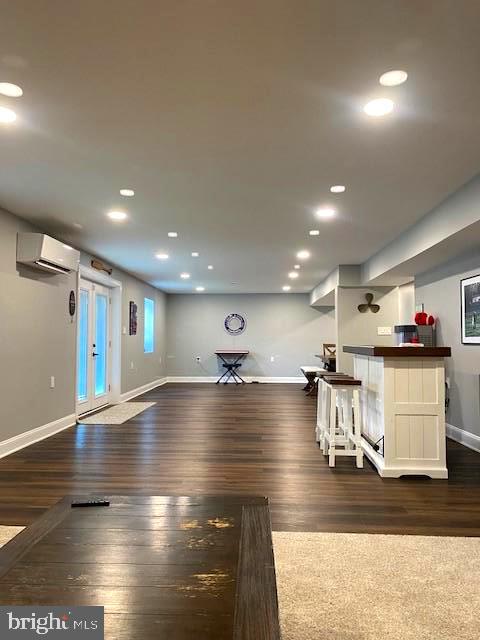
(132, 317)
(470, 310)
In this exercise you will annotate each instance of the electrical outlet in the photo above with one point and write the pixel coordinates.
(384, 331)
(52, 382)
(198, 359)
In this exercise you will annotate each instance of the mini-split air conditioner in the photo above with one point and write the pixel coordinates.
(43, 252)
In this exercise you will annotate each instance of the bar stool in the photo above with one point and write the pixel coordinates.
(342, 433)
(323, 402)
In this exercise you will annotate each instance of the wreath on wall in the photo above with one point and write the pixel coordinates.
(235, 324)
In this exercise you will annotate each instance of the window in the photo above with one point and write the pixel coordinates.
(148, 325)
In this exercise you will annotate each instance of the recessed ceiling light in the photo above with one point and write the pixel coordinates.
(393, 78)
(325, 212)
(337, 188)
(286, 287)
(379, 107)
(172, 234)
(199, 288)
(10, 90)
(161, 256)
(7, 116)
(128, 193)
(292, 275)
(210, 267)
(303, 255)
(296, 266)
(185, 276)
(195, 254)
(314, 232)
(117, 215)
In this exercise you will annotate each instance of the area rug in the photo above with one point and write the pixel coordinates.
(7, 533)
(336, 586)
(118, 413)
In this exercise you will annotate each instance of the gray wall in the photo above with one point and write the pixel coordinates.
(280, 325)
(37, 338)
(355, 328)
(139, 368)
(439, 290)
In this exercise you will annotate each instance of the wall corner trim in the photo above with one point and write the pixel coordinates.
(128, 395)
(466, 438)
(27, 438)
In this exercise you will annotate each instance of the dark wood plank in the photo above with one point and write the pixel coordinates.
(136, 565)
(179, 599)
(29, 537)
(256, 605)
(168, 627)
(400, 352)
(202, 439)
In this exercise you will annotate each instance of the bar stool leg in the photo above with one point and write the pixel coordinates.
(347, 416)
(333, 427)
(326, 391)
(357, 428)
(318, 426)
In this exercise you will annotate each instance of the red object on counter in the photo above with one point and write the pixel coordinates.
(421, 318)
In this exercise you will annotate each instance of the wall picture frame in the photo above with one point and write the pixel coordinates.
(132, 318)
(470, 309)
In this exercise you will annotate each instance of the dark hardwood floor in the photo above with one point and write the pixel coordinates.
(162, 567)
(253, 440)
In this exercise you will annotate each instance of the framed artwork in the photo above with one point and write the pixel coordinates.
(132, 324)
(470, 299)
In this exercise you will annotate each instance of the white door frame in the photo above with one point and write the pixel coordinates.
(115, 286)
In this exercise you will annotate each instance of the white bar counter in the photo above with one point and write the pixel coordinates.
(403, 408)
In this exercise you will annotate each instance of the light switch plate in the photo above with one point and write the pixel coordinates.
(384, 331)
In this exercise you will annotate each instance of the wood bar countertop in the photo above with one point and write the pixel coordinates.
(399, 352)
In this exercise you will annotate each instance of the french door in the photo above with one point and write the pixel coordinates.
(93, 347)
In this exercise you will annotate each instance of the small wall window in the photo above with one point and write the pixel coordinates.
(148, 325)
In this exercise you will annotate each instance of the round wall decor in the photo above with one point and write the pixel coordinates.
(72, 304)
(235, 324)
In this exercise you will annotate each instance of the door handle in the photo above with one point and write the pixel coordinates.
(94, 354)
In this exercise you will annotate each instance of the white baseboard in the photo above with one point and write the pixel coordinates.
(128, 395)
(35, 435)
(261, 379)
(466, 438)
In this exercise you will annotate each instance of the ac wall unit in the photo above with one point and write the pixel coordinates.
(43, 252)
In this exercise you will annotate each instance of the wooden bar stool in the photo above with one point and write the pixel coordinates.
(343, 437)
(323, 402)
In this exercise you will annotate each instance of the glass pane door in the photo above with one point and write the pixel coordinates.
(101, 344)
(93, 368)
(82, 347)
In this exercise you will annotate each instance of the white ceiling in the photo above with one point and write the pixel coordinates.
(231, 120)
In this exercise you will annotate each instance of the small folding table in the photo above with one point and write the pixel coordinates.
(232, 361)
